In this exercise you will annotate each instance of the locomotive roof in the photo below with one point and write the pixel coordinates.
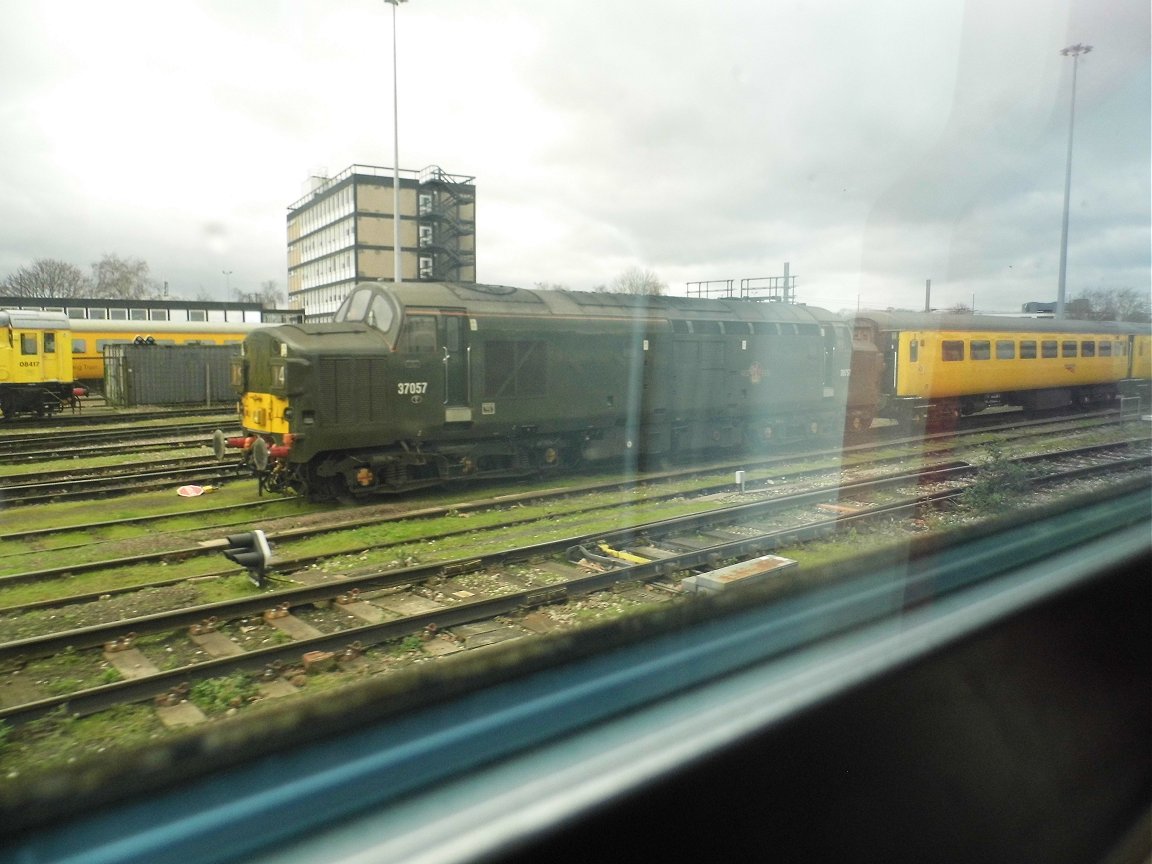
(34, 319)
(992, 323)
(520, 301)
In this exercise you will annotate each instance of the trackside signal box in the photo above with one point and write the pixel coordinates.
(251, 551)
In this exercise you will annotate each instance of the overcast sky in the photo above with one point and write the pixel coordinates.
(870, 145)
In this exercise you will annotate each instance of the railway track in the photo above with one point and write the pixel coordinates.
(106, 442)
(462, 603)
(96, 483)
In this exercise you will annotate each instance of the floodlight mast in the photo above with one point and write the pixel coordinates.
(396, 269)
(1073, 51)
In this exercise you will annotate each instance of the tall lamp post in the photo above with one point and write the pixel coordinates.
(397, 275)
(1073, 51)
(227, 283)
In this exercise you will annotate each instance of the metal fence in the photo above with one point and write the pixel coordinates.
(168, 375)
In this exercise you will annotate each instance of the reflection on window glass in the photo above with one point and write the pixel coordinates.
(981, 349)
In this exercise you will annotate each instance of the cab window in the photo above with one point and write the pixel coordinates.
(419, 335)
(28, 346)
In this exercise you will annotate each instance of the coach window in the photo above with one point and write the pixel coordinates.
(981, 349)
(79, 346)
(1105, 349)
(1005, 349)
(1028, 350)
(49, 343)
(1048, 349)
(1087, 348)
(1068, 349)
(951, 349)
(28, 346)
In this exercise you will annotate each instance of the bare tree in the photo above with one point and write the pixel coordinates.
(960, 309)
(270, 294)
(1111, 304)
(123, 279)
(635, 280)
(47, 277)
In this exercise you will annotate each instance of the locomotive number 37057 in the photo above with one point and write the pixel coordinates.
(411, 388)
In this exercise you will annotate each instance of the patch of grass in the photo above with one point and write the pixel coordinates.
(999, 484)
(217, 695)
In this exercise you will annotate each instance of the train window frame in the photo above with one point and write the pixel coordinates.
(980, 349)
(415, 333)
(914, 351)
(1088, 348)
(29, 345)
(1049, 349)
(952, 350)
(1104, 349)
(1069, 348)
(1028, 349)
(49, 342)
(1005, 349)
(79, 345)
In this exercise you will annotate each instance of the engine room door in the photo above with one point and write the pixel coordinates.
(457, 366)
